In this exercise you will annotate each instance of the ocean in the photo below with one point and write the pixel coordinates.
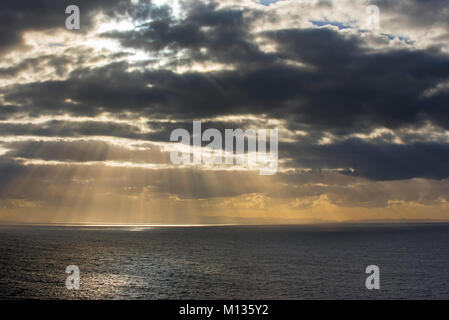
(226, 262)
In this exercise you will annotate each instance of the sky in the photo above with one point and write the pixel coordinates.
(361, 110)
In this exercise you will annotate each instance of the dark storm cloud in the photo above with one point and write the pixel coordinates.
(9, 171)
(6, 112)
(225, 33)
(355, 87)
(83, 151)
(36, 65)
(59, 128)
(17, 17)
(155, 131)
(376, 161)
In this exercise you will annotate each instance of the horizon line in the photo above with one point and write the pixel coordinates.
(140, 225)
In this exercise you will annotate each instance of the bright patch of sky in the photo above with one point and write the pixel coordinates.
(330, 23)
(266, 2)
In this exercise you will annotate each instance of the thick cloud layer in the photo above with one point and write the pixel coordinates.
(365, 107)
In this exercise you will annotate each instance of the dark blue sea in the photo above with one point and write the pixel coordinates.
(226, 262)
